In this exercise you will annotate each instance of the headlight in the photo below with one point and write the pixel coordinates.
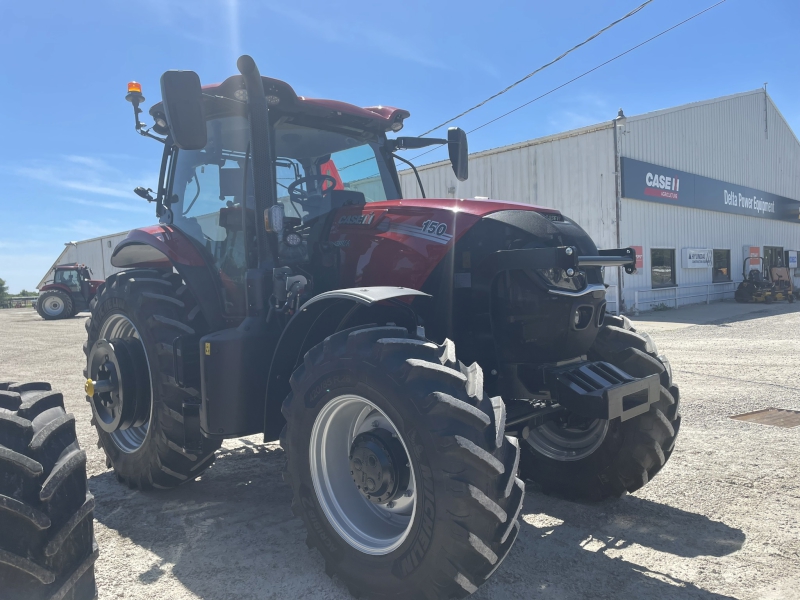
(558, 278)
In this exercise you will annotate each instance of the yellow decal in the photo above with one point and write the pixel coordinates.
(208, 348)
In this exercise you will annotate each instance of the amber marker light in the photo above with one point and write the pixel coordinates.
(134, 92)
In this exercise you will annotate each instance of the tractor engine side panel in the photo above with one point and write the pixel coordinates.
(396, 246)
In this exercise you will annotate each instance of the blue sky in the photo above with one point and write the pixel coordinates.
(70, 157)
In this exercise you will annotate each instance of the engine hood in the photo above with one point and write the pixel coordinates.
(478, 208)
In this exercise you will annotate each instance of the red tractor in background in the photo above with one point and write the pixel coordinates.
(418, 359)
(71, 291)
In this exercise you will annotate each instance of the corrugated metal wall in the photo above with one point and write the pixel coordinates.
(654, 225)
(94, 253)
(573, 172)
(725, 139)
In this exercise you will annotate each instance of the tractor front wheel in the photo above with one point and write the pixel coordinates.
(136, 404)
(400, 466)
(54, 304)
(592, 459)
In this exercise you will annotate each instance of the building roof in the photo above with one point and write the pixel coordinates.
(609, 123)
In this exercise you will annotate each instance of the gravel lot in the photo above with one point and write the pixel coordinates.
(720, 521)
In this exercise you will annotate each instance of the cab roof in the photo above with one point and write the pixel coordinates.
(285, 101)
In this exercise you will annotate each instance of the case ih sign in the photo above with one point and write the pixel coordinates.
(646, 181)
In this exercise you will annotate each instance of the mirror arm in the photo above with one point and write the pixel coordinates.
(146, 133)
(234, 100)
(400, 143)
(410, 164)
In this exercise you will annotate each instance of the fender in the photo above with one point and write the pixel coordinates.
(165, 247)
(55, 286)
(318, 318)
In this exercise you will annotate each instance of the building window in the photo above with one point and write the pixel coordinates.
(722, 266)
(662, 267)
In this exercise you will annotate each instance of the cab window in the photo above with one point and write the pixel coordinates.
(68, 278)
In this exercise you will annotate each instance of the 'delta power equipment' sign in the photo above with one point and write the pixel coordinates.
(645, 181)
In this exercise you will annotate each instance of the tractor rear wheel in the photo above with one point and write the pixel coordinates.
(400, 466)
(582, 459)
(47, 545)
(135, 320)
(54, 304)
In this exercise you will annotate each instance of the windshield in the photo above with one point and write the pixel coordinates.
(311, 161)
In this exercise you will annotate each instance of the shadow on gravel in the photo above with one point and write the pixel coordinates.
(232, 534)
(629, 520)
(568, 550)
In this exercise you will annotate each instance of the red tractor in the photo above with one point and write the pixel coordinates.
(70, 292)
(418, 359)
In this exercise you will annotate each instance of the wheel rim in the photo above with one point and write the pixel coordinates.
(568, 443)
(121, 327)
(371, 528)
(53, 306)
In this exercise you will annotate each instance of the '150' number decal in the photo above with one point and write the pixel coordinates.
(434, 227)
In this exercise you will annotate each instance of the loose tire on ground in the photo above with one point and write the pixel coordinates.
(47, 545)
(629, 454)
(467, 498)
(55, 304)
(160, 308)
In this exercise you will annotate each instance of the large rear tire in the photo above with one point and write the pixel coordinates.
(578, 459)
(149, 309)
(54, 304)
(454, 516)
(47, 545)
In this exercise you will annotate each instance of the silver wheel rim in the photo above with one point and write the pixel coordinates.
(370, 528)
(53, 306)
(131, 439)
(568, 443)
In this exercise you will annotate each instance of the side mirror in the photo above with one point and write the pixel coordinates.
(183, 106)
(459, 153)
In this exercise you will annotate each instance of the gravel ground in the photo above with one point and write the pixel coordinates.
(720, 521)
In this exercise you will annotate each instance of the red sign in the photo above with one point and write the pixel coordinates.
(639, 256)
(755, 252)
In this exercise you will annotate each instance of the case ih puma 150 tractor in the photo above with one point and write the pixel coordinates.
(417, 358)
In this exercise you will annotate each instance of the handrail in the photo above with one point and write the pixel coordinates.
(676, 297)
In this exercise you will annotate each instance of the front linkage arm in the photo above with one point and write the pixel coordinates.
(563, 257)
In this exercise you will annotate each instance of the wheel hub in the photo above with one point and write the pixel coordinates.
(118, 385)
(378, 466)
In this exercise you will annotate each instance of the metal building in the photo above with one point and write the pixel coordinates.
(697, 189)
(94, 253)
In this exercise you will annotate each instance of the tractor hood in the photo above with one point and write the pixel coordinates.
(478, 208)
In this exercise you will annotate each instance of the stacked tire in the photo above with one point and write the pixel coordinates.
(623, 456)
(47, 545)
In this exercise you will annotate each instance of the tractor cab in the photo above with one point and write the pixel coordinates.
(74, 277)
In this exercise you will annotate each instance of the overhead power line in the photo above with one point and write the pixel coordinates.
(584, 74)
(542, 68)
(516, 83)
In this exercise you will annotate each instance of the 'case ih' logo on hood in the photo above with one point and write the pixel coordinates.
(357, 219)
(662, 186)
